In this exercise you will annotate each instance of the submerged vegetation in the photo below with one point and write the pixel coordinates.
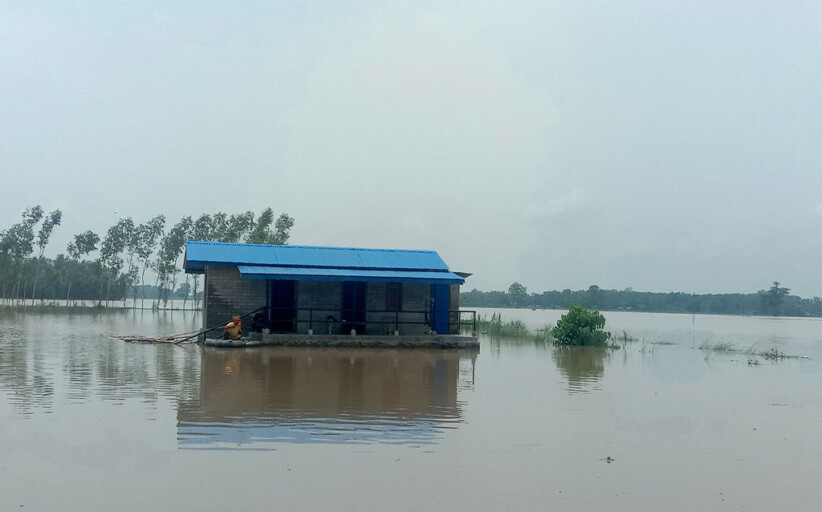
(718, 347)
(123, 255)
(773, 354)
(497, 327)
(581, 327)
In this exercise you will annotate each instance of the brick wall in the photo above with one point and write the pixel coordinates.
(227, 294)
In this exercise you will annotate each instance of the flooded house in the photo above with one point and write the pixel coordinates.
(301, 295)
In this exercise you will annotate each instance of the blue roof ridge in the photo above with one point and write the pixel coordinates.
(244, 244)
(325, 267)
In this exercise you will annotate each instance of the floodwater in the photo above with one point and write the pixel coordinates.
(92, 423)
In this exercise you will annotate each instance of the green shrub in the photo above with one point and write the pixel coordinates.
(581, 326)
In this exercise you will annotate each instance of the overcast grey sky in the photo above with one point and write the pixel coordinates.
(657, 145)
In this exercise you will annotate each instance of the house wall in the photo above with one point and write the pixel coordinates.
(227, 294)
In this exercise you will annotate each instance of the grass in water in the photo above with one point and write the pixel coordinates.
(718, 347)
(752, 352)
(775, 355)
(625, 338)
(496, 326)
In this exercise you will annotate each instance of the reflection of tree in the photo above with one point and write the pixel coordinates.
(44, 355)
(23, 370)
(580, 365)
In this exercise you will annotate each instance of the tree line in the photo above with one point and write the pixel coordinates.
(774, 301)
(113, 266)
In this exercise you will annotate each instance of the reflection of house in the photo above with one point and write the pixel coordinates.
(298, 394)
(328, 290)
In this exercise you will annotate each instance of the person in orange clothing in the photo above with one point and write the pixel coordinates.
(234, 329)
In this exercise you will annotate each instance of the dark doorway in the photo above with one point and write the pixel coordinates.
(440, 295)
(353, 307)
(283, 303)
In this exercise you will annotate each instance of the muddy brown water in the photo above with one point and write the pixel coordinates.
(92, 423)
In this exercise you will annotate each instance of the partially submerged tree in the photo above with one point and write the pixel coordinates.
(52, 219)
(83, 244)
(171, 246)
(131, 246)
(581, 327)
(18, 243)
(126, 252)
(111, 250)
(147, 235)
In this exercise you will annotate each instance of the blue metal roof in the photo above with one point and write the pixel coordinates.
(200, 254)
(340, 274)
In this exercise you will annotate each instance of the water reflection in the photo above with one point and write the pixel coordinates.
(581, 366)
(56, 357)
(24, 372)
(250, 397)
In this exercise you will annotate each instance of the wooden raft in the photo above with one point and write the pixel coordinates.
(150, 339)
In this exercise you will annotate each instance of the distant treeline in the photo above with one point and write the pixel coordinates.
(113, 266)
(774, 301)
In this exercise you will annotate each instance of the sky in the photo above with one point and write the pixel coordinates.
(663, 146)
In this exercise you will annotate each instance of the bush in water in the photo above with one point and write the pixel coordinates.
(581, 326)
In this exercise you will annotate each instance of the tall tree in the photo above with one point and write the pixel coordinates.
(18, 242)
(202, 230)
(773, 298)
(147, 235)
(261, 232)
(5, 262)
(238, 226)
(170, 248)
(130, 245)
(52, 219)
(518, 294)
(282, 229)
(83, 244)
(111, 249)
(219, 227)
